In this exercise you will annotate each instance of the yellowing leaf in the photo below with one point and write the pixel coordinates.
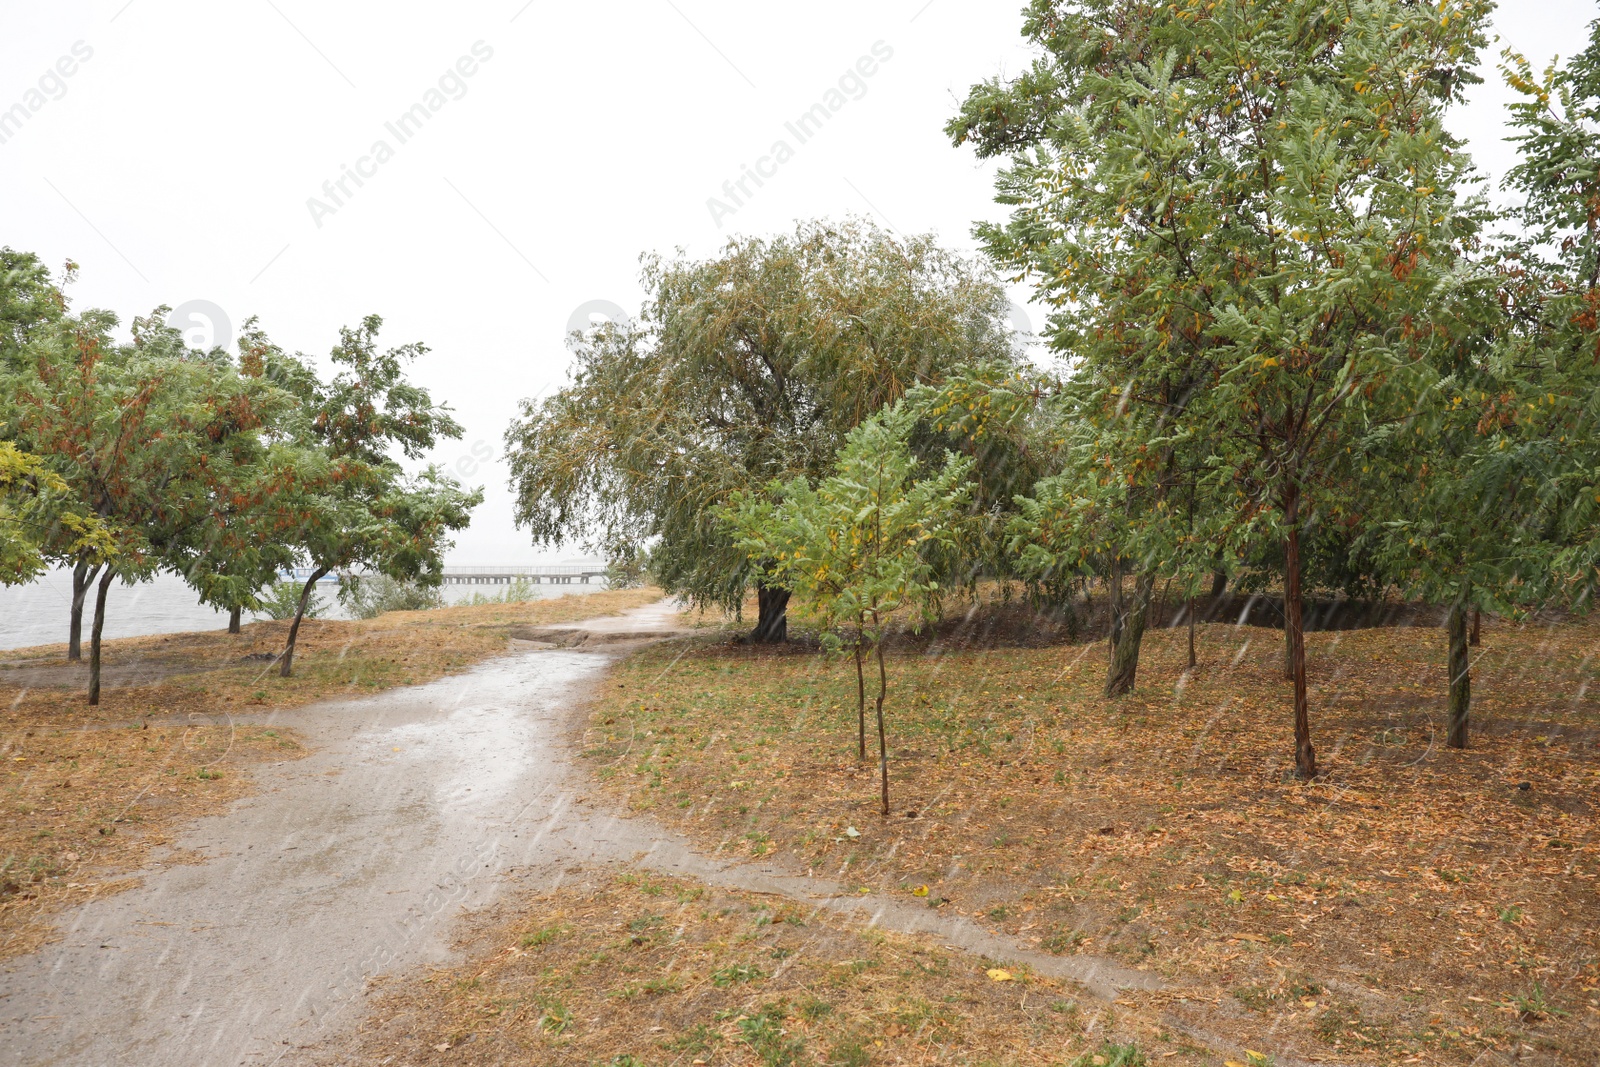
(1000, 976)
(920, 891)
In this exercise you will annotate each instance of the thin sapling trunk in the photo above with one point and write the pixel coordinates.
(94, 636)
(1477, 632)
(1115, 603)
(1460, 675)
(883, 744)
(861, 702)
(286, 668)
(1305, 757)
(1189, 608)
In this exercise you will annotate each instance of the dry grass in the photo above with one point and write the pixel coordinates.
(88, 792)
(1416, 901)
(638, 970)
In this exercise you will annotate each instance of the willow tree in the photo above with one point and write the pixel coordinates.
(746, 368)
(1241, 210)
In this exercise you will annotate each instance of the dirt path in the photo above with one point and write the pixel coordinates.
(356, 860)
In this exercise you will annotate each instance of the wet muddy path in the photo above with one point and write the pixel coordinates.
(356, 860)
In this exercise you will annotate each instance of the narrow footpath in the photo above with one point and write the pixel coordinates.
(414, 806)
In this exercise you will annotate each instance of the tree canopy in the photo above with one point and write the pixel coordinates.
(859, 545)
(746, 368)
(1246, 215)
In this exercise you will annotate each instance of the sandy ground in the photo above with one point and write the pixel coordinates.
(416, 806)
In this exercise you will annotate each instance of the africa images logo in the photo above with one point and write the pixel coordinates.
(52, 85)
(452, 85)
(852, 85)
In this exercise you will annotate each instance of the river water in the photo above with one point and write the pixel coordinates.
(36, 613)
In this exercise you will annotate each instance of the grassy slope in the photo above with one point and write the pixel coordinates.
(1417, 900)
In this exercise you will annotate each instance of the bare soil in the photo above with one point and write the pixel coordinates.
(89, 792)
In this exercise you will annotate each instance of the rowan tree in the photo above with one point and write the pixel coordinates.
(1502, 513)
(1555, 301)
(349, 503)
(1241, 211)
(36, 505)
(858, 547)
(141, 436)
(30, 298)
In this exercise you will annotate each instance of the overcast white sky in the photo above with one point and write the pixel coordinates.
(175, 162)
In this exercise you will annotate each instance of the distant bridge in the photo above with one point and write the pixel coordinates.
(498, 574)
(554, 574)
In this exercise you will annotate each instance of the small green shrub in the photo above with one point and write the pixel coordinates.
(281, 599)
(1112, 1055)
(366, 596)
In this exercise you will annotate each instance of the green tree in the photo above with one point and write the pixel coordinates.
(1002, 417)
(1502, 515)
(1554, 399)
(1242, 211)
(236, 542)
(34, 504)
(356, 507)
(745, 368)
(857, 547)
(142, 435)
(29, 299)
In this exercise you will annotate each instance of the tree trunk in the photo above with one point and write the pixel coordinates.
(1189, 609)
(82, 578)
(286, 667)
(1305, 757)
(1288, 645)
(94, 636)
(1125, 655)
(233, 620)
(1460, 675)
(1477, 632)
(883, 744)
(861, 703)
(1219, 583)
(772, 616)
(1115, 603)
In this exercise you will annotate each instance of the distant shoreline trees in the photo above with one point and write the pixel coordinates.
(123, 459)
